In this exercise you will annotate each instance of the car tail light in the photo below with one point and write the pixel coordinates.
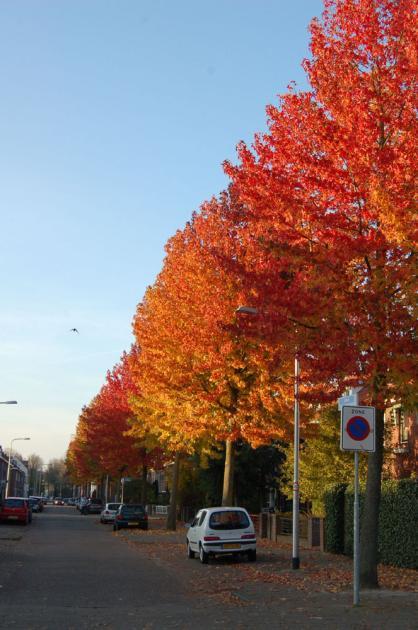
(119, 517)
(248, 536)
(211, 538)
(145, 517)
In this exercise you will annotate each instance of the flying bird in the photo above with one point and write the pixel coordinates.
(74, 330)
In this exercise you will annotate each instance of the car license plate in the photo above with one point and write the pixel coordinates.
(231, 546)
(132, 523)
(13, 518)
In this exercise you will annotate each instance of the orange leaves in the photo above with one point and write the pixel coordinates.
(326, 227)
(103, 443)
(316, 232)
(197, 368)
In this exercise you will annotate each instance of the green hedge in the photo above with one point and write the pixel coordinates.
(349, 518)
(398, 522)
(334, 521)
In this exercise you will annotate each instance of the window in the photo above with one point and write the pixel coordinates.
(195, 520)
(398, 420)
(403, 430)
(133, 509)
(202, 518)
(14, 503)
(229, 519)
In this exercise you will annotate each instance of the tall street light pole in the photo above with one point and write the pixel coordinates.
(295, 511)
(10, 462)
(250, 310)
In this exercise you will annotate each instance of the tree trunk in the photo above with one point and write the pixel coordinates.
(228, 487)
(172, 511)
(144, 484)
(370, 518)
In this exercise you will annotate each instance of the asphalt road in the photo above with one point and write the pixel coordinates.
(68, 571)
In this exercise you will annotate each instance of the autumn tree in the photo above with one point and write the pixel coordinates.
(204, 379)
(56, 475)
(321, 462)
(35, 465)
(103, 444)
(327, 225)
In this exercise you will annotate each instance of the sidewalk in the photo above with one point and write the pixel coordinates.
(269, 592)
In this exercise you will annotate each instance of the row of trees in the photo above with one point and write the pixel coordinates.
(316, 233)
(45, 479)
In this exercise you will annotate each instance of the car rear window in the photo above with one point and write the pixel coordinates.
(229, 519)
(14, 503)
(134, 508)
(113, 506)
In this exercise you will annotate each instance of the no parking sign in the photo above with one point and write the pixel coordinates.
(358, 429)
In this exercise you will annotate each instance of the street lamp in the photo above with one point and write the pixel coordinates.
(250, 310)
(10, 461)
(8, 402)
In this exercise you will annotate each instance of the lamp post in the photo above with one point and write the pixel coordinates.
(8, 402)
(295, 503)
(10, 461)
(250, 310)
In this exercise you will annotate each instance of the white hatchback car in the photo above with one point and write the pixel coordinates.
(108, 514)
(221, 530)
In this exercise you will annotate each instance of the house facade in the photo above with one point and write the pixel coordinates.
(402, 441)
(19, 476)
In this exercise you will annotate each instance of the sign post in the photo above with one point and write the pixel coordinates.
(357, 434)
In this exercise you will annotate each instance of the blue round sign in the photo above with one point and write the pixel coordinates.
(358, 428)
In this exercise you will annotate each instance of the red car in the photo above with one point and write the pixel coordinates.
(16, 509)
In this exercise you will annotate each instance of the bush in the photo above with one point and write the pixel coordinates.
(398, 523)
(334, 518)
(349, 518)
(398, 518)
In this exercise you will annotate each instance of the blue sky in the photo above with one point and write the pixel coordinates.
(115, 117)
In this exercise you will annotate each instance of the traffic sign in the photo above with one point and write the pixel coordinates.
(358, 429)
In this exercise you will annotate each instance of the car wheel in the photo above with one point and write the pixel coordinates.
(190, 553)
(203, 556)
(252, 555)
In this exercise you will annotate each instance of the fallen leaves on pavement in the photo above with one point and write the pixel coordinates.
(319, 572)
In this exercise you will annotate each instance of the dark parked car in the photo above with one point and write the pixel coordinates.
(35, 504)
(131, 515)
(93, 506)
(40, 501)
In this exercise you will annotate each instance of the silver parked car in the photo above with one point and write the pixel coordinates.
(108, 514)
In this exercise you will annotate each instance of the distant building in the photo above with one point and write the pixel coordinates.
(401, 438)
(19, 476)
(402, 441)
(159, 478)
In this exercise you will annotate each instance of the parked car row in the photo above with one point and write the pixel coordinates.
(118, 514)
(214, 531)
